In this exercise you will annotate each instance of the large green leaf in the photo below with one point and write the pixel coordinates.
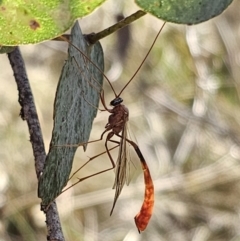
(33, 21)
(184, 11)
(73, 113)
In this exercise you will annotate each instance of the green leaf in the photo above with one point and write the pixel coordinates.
(73, 113)
(33, 21)
(184, 11)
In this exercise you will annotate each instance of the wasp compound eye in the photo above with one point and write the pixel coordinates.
(116, 101)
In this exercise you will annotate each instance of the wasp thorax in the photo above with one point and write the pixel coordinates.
(116, 101)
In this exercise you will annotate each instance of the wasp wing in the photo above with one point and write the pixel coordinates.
(122, 166)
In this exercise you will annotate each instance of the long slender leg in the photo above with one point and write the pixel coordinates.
(109, 136)
(95, 174)
(104, 103)
(83, 143)
(84, 178)
(94, 157)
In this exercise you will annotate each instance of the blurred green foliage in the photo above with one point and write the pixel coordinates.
(184, 113)
(33, 21)
(185, 12)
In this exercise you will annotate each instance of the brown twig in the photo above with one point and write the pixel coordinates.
(94, 37)
(28, 112)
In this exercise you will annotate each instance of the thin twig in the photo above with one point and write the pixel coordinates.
(28, 112)
(93, 38)
(28, 109)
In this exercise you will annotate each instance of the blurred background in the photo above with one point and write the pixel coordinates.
(184, 114)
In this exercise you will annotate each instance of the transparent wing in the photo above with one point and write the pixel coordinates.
(122, 166)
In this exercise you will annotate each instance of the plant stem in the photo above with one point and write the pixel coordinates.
(28, 112)
(93, 38)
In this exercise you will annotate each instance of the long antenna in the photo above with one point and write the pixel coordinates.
(143, 60)
(65, 39)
